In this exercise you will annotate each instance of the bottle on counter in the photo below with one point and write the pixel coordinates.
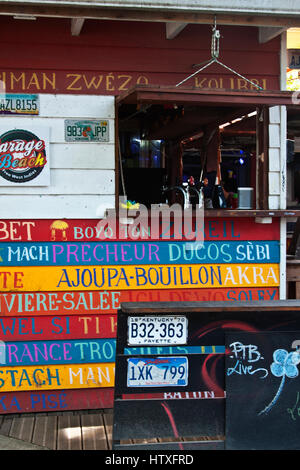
(219, 200)
(235, 201)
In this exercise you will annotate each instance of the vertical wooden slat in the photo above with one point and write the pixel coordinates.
(6, 425)
(263, 157)
(108, 420)
(297, 296)
(69, 432)
(87, 430)
(118, 159)
(45, 431)
(93, 432)
(22, 428)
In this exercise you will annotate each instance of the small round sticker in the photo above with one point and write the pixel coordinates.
(22, 156)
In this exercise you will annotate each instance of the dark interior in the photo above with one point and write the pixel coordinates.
(164, 145)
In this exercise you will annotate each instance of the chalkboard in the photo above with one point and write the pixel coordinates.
(212, 406)
(263, 391)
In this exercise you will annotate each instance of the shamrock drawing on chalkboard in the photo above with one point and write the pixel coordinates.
(284, 365)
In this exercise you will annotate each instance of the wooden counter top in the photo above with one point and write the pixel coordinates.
(251, 213)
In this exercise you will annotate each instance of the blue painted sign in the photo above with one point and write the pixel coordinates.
(136, 253)
(57, 352)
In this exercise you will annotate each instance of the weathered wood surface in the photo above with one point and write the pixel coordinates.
(77, 430)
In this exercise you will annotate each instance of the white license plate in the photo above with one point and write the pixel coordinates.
(157, 372)
(19, 104)
(86, 131)
(158, 330)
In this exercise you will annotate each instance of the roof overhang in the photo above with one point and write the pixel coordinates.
(144, 94)
(272, 13)
(268, 7)
(175, 113)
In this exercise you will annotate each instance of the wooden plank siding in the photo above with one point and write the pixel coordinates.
(57, 206)
(70, 182)
(82, 174)
(77, 430)
(108, 60)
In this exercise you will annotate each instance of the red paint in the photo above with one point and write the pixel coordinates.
(57, 327)
(223, 228)
(61, 303)
(16, 279)
(172, 422)
(226, 324)
(57, 400)
(114, 83)
(75, 303)
(59, 63)
(209, 374)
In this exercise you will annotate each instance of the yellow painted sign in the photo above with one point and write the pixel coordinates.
(56, 377)
(56, 278)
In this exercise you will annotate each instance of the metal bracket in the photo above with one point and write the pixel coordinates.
(215, 40)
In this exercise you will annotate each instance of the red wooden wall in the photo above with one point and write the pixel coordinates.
(109, 57)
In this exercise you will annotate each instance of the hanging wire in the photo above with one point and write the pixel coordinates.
(121, 171)
(215, 49)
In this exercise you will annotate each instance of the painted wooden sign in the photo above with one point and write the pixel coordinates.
(139, 277)
(114, 83)
(56, 328)
(57, 352)
(82, 230)
(130, 253)
(56, 377)
(62, 282)
(107, 302)
(51, 400)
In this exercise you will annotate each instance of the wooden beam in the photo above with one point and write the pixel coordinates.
(173, 29)
(267, 33)
(214, 97)
(262, 169)
(90, 12)
(76, 26)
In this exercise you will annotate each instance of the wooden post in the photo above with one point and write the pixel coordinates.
(262, 157)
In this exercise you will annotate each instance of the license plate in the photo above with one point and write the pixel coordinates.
(86, 131)
(157, 372)
(158, 330)
(19, 104)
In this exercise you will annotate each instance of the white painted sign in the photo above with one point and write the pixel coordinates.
(24, 156)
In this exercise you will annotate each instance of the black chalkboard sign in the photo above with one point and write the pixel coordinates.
(188, 391)
(263, 391)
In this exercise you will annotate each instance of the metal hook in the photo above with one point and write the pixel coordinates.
(215, 40)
